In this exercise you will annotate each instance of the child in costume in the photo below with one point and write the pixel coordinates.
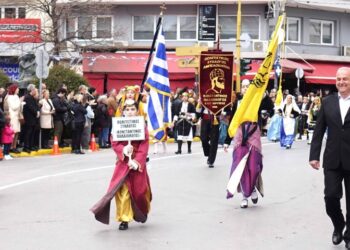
(130, 93)
(130, 183)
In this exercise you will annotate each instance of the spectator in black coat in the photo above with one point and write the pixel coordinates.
(31, 114)
(78, 123)
(61, 108)
(102, 121)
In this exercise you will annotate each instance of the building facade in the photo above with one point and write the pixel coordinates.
(113, 38)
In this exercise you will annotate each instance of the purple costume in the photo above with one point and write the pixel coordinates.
(248, 137)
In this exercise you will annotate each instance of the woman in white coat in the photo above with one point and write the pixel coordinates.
(46, 119)
(14, 109)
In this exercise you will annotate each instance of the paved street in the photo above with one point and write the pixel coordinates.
(45, 204)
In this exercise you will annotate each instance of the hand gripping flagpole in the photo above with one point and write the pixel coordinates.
(162, 8)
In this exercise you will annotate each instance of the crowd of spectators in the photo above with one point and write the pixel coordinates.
(31, 121)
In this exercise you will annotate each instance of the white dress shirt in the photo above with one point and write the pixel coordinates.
(344, 104)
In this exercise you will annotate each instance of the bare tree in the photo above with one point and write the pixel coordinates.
(58, 15)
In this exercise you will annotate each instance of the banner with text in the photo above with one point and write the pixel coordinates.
(128, 128)
(215, 80)
(20, 30)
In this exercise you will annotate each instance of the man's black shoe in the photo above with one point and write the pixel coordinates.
(189, 151)
(347, 245)
(123, 226)
(178, 152)
(211, 165)
(337, 237)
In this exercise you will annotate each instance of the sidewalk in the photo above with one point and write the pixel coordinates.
(67, 150)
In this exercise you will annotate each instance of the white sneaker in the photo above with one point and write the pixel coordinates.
(244, 203)
(254, 196)
(8, 157)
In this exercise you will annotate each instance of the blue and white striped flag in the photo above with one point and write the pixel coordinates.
(158, 103)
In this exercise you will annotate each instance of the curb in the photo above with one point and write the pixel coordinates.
(67, 150)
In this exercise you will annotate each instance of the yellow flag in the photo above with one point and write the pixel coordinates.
(279, 96)
(248, 109)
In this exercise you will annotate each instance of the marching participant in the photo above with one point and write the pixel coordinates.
(184, 115)
(209, 134)
(130, 183)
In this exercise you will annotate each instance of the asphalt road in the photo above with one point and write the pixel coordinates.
(45, 204)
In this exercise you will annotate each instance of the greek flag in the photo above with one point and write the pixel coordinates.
(158, 103)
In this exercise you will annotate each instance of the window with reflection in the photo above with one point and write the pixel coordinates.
(143, 27)
(70, 28)
(104, 27)
(228, 25)
(10, 12)
(170, 27)
(321, 32)
(293, 30)
(21, 12)
(85, 27)
(188, 26)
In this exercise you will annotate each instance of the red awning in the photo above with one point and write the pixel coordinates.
(125, 63)
(289, 66)
(128, 69)
(324, 72)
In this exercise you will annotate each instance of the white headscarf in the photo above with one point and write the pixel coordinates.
(294, 104)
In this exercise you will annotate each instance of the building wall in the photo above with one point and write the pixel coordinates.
(122, 18)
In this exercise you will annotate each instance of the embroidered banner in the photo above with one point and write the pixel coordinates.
(215, 80)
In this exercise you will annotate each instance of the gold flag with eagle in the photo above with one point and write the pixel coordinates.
(248, 109)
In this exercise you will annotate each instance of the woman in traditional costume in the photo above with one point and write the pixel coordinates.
(312, 117)
(130, 185)
(184, 115)
(290, 111)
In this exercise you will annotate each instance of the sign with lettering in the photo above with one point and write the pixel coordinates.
(207, 22)
(20, 30)
(11, 70)
(215, 80)
(128, 128)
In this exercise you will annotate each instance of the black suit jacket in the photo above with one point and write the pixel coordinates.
(337, 151)
(30, 110)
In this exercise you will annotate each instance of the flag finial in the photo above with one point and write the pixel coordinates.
(162, 9)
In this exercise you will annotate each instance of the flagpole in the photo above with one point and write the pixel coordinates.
(238, 48)
(162, 8)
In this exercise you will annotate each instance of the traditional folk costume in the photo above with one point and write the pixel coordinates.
(183, 122)
(247, 163)
(131, 188)
(274, 130)
(312, 118)
(141, 109)
(290, 112)
(209, 134)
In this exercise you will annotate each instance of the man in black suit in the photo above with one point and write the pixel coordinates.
(334, 116)
(31, 114)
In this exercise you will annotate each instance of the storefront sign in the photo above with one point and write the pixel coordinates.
(20, 30)
(11, 70)
(207, 22)
(215, 80)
